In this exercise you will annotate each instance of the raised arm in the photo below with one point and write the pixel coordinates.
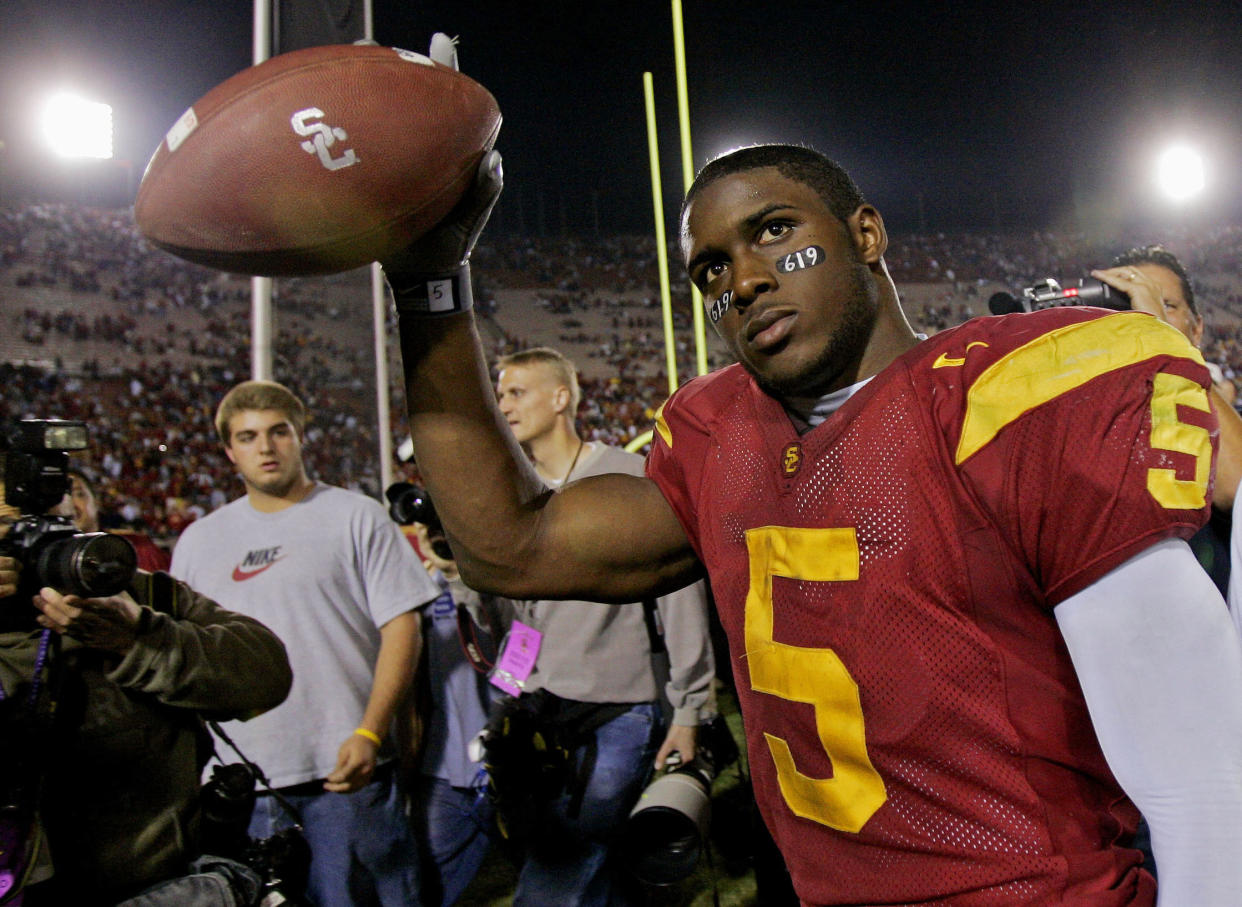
(608, 538)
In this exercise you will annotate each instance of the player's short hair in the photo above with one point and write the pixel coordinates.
(796, 162)
(563, 367)
(258, 395)
(1157, 254)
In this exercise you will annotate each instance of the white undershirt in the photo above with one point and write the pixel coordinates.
(1235, 557)
(814, 412)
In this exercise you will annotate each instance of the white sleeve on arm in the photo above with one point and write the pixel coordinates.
(1235, 557)
(1161, 669)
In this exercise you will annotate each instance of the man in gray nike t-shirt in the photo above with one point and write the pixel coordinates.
(332, 575)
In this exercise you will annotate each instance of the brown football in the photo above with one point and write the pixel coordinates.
(316, 161)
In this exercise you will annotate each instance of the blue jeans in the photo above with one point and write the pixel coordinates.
(455, 824)
(362, 849)
(568, 863)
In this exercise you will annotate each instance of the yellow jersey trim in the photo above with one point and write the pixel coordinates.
(1056, 363)
(662, 427)
(944, 360)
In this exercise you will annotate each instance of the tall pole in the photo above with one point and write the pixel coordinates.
(687, 170)
(379, 322)
(261, 287)
(657, 200)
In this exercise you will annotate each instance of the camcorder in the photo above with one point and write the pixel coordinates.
(409, 503)
(1047, 294)
(668, 827)
(282, 860)
(51, 550)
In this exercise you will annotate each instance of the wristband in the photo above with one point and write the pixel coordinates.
(428, 295)
(370, 735)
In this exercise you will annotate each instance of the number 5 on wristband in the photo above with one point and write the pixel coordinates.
(815, 676)
(429, 295)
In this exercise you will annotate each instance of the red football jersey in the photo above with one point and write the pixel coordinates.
(915, 727)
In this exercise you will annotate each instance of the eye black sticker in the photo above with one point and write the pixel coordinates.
(720, 306)
(800, 260)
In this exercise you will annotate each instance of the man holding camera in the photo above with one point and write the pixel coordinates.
(331, 573)
(591, 655)
(102, 729)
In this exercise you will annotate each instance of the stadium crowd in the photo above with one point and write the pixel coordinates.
(138, 344)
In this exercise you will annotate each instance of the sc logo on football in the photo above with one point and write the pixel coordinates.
(325, 137)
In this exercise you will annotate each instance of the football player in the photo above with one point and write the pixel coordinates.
(967, 634)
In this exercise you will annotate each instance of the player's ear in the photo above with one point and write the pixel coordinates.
(228, 452)
(867, 231)
(560, 398)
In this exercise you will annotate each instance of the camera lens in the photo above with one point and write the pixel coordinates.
(666, 829)
(87, 564)
(408, 503)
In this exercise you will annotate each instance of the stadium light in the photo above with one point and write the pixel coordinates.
(77, 128)
(1180, 173)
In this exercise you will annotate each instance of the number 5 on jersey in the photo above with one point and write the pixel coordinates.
(1169, 433)
(814, 676)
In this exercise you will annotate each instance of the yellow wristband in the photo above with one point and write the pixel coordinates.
(370, 735)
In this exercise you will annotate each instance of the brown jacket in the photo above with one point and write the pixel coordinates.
(124, 757)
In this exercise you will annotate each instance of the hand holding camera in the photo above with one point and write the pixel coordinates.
(50, 549)
(682, 740)
(110, 624)
(1143, 292)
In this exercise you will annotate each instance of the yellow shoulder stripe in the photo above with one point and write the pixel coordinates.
(1058, 362)
(662, 427)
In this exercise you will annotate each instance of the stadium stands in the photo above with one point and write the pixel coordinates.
(140, 345)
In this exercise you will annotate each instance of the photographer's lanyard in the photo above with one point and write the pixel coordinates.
(45, 644)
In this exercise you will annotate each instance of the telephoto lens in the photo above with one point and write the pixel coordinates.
(668, 827)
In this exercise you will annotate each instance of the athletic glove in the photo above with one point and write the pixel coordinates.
(432, 275)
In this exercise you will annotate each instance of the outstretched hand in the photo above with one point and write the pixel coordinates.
(448, 245)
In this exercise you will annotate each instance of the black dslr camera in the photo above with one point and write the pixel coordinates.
(1047, 294)
(409, 503)
(51, 550)
(282, 861)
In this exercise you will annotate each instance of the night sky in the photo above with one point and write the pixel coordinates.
(965, 115)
